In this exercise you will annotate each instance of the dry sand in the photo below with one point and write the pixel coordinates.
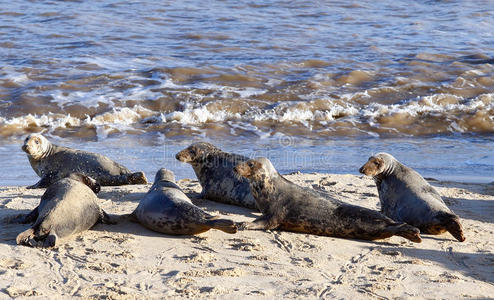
(127, 261)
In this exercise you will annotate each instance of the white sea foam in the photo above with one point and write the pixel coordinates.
(446, 108)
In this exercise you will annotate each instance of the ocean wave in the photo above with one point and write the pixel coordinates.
(440, 113)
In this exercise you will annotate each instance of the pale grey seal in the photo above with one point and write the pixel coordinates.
(407, 197)
(67, 207)
(52, 162)
(214, 169)
(287, 206)
(166, 209)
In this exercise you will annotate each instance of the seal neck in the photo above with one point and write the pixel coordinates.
(50, 149)
(387, 171)
(264, 191)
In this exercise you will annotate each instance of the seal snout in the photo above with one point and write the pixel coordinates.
(183, 156)
(372, 167)
(361, 170)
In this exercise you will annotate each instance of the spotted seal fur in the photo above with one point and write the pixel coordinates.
(407, 197)
(287, 206)
(67, 207)
(214, 169)
(52, 162)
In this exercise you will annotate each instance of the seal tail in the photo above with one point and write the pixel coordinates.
(407, 231)
(225, 225)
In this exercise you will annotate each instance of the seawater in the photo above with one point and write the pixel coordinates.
(313, 85)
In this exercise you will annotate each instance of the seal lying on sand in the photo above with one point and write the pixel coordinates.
(287, 206)
(406, 197)
(68, 206)
(214, 169)
(52, 162)
(166, 209)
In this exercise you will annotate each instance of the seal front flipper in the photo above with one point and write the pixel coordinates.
(23, 218)
(24, 237)
(44, 182)
(31, 217)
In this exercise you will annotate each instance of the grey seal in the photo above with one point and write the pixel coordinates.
(287, 206)
(52, 162)
(406, 196)
(166, 209)
(67, 207)
(214, 169)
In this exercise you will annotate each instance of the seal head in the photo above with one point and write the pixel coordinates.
(214, 169)
(196, 153)
(164, 175)
(36, 146)
(381, 163)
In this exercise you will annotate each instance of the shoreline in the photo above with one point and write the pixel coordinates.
(127, 261)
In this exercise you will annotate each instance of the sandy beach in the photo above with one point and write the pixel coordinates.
(128, 261)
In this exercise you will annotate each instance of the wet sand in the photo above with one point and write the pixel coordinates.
(127, 261)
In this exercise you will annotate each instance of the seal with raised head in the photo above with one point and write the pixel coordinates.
(214, 169)
(67, 207)
(287, 206)
(166, 209)
(406, 196)
(52, 162)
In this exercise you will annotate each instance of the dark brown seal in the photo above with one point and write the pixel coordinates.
(289, 207)
(407, 197)
(166, 209)
(214, 169)
(52, 162)
(67, 207)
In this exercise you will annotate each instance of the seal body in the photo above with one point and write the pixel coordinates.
(52, 162)
(67, 207)
(214, 169)
(289, 207)
(166, 209)
(406, 196)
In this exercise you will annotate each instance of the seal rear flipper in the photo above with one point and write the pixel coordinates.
(106, 219)
(49, 241)
(407, 231)
(225, 225)
(24, 237)
(454, 227)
